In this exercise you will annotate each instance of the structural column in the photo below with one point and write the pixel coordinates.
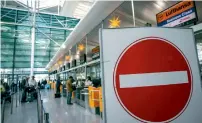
(133, 11)
(14, 48)
(33, 38)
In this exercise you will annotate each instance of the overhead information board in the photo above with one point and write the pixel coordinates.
(182, 13)
(151, 76)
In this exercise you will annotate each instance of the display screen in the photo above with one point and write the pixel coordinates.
(74, 63)
(82, 58)
(182, 13)
(68, 66)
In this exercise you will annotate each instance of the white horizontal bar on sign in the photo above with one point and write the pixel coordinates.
(153, 79)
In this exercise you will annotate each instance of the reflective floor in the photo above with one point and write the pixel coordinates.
(60, 112)
(23, 113)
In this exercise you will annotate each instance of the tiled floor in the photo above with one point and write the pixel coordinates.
(23, 113)
(60, 112)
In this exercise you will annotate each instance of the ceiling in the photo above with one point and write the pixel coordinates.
(147, 10)
(51, 31)
(50, 6)
(76, 9)
(147, 15)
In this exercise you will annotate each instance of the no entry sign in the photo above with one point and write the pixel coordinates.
(156, 77)
(150, 75)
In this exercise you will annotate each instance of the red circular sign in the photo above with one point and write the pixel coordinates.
(153, 80)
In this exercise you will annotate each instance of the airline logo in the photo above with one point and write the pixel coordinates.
(175, 12)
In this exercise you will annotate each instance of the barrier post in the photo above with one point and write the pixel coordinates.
(16, 101)
(3, 110)
(11, 103)
(41, 111)
(46, 117)
(38, 107)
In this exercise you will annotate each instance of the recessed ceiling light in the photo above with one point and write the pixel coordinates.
(63, 46)
(161, 3)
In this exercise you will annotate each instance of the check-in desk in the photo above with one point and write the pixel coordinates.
(94, 100)
(64, 90)
(84, 102)
(89, 98)
(52, 85)
(100, 101)
(77, 95)
(61, 86)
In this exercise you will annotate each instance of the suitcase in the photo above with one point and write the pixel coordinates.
(57, 95)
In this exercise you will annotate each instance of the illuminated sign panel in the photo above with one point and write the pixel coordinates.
(178, 14)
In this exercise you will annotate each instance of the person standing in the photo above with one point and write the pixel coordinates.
(69, 90)
(24, 89)
(2, 88)
(32, 87)
(88, 81)
(32, 82)
(58, 83)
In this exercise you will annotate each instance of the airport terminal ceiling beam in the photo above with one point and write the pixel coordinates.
(90, 21)
(8, 7)
(51, 27)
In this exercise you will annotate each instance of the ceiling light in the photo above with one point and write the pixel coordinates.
(70, 59)
(77, 56)
(114, 22)
(78, 52)
(81, 47)
(63, 46)
(161, 3)
(157, 6)
(67, 58)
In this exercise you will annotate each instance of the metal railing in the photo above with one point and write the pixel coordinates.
(43, 116)
(3, 108)
(11, 104)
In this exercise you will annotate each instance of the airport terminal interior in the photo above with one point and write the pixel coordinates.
(58, 65)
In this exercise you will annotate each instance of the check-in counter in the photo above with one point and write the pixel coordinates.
(78, 95)
(100, 99)
(90, 98)
(94, 99)
(56, 88)
(61, 86)
(84, 102)
(52, 85)
(64, 90)
(73, 95)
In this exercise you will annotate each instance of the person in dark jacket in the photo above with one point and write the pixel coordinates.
(24, 88)
(58, 83)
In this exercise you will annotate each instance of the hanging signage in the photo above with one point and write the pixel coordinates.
(96, 52)
(182, 13)
(150, 76)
